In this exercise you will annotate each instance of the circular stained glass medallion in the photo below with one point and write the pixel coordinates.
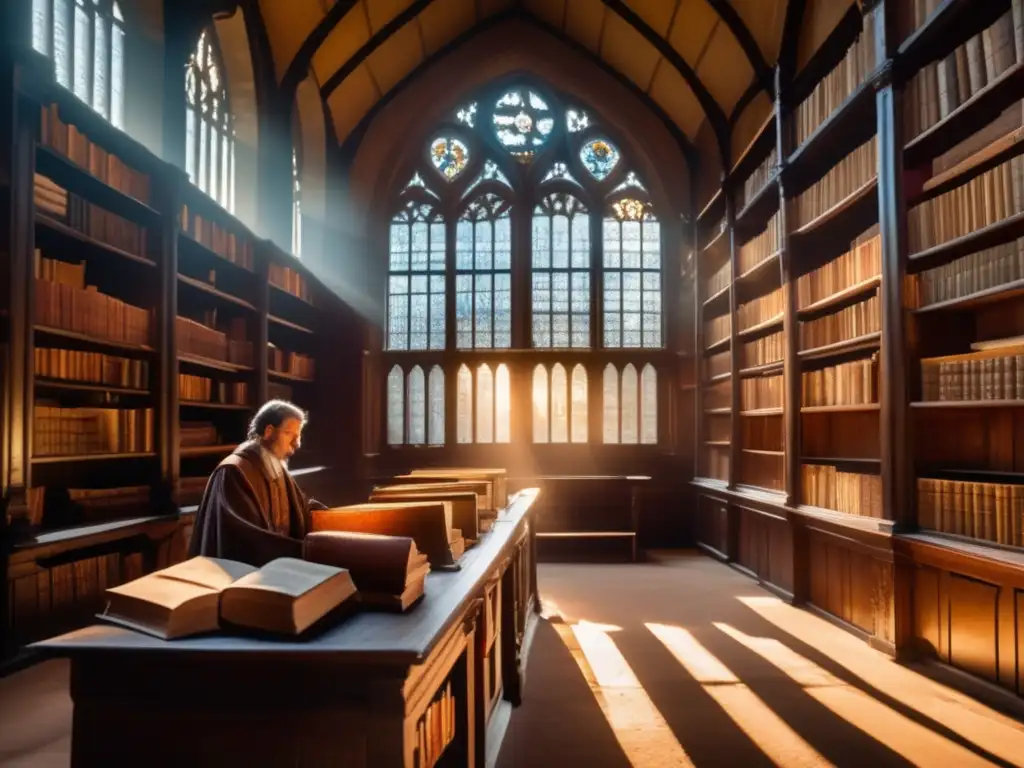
(449, 156)
(522, 122)
(599, 156)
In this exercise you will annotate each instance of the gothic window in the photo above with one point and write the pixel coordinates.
(85, 39)
(483, 276)
(521, 228)
(561, 273)
(416, 289)
(632, 276)
(296, 206)
(209, 128)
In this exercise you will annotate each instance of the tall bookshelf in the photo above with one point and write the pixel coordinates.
(144, 323)
(862, 279)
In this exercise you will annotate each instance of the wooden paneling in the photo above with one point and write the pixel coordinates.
(973, 613)
(713, 524)
(765, 547)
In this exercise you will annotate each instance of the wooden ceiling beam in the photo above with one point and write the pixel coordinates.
(763, 74)
(712, 110)
(790, 40)
(299, 65)
(376, 41)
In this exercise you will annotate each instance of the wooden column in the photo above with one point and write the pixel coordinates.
(259, 330)
(897, 497)
(698, 334)
(734, 357)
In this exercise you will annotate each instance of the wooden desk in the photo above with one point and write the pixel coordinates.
(352, 696)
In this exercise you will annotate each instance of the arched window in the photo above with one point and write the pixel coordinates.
(296, 206)
(523, 226)
(85, 39)
(415, 406)
(209, 127)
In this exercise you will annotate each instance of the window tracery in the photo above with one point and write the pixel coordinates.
(209, 126)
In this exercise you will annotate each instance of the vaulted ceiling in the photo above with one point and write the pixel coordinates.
(695, 59)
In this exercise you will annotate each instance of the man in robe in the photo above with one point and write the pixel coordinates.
(252, 509)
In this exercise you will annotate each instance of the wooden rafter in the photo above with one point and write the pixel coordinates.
(299, 66)
(790, 39)
(763, 75)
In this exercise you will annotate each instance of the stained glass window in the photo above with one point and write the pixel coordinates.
(541, 404)
(579, 404)
(415, 406)
(600, 157)
(449, 156)
(483, 279)
(561, 273)
(576, 120)
(435, 412)
(396, 406)
(630, 182)
(296, 206)
(416, 289)
(523, 122)
(210, 160)
(487, 395)
(630, 412)
(491, 172)
(610, 394)
(649, 405)
(559, 408)
(632, 276)
(559, 171)
(85, 39)
(467, 115)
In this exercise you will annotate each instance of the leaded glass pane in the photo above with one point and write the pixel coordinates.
(83, 54)
(449, 156)
(399, 247)
(417, 407)
(484, 404)
(62, 34)
(396, 406)
(464, 245)
(502, 310)
(632, 280)
(610, 403)
(435, 414)
(464, 311)
(464, 406)
(484, 243)
(522, 122)
(503, 243)
(204, 138)
(629, 405)
(100, 79)
(419, 302)
(502, 406)
(599, 157)
(482, 312)
(579, 404)
(437, 238)
(559, 405)
(190, 144)
(540, 404)
(398, 308)
(652, 245)
(214, 146)
(649, 405)
(41, 25)
(437, 310)
(117, 76)
(541, 241)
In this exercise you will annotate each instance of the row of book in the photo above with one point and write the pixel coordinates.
(847, 176)
(861, 263)
(198, 434)
(852, 493)
(717, 329)
(986, 199)
(196, 338)
(69, 141)
(278, 391)
(992, 267)
(713, 234)
(761, 246)
(761, 392)
(851, 322)
(291, 281)
(436, 729)
(973, 377)
(940, 87)
(225, 243)
(718, 364)
(79, 214)
(91, 367)
(852, 383)
(755, 182)
(292, 363)
(86, 311)
(75, 431)
(761, 310)
(764, 351)
(201, 389)
(719, 281)
(829, 94)
(988, 511)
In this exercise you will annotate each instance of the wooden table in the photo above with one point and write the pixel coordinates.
(352, 696)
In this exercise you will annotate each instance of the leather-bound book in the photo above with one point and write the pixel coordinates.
(479, 486)
(497, 476)
(389, 571)
(286, 596)
(428, 523)
(463, 500)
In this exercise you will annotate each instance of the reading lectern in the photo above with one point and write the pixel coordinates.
(432, 686)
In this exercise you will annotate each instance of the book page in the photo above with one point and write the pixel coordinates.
(288, 576)
(212, 572)
(169, 593)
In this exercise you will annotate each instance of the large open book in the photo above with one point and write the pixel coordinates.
(389, 571)
(286, 596)
(464, 501)
(428, 523)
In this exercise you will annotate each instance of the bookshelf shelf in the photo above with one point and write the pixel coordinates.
(862, 201)
(76, 386)
(759, 452)
(829, 303)
(858, 461)
(762, 412)
(216, 365)
(867, 342)
(73, 340)
(719, 377)
(761, 329)
(716, 242)
(962, 122)
(768, 369)
(752, 155)
(967, 404)
(717, 443)
(756, 273)
(718, 346)
(212, 292)
(207, 450)
(995, 234)
(999, 151)
(858, 408)
(718, 302)
(282, 376)
(718, 411)
(716, 202)
(947, 27)
(755, 214)
(79, 181)
(191, 251)
(85, 246)
(92, 457)
(214, 406)
(280, 321)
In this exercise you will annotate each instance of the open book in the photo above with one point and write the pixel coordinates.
(285, 596)
(464, 501)
(389, 571)
(428, 523)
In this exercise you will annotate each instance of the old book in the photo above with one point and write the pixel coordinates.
(388, 571)
(478, 485)
(497, 476)
(285, 596)
(465, 515)
(428, 523)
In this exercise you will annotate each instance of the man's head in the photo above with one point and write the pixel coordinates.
(278, 426)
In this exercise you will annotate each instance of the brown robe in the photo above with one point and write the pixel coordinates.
(252, 510)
